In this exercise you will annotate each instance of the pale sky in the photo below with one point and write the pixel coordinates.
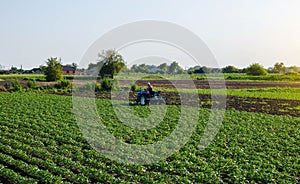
(238, 32)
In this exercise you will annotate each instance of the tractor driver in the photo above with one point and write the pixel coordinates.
(150, 89)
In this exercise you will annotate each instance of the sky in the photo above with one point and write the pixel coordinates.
(238, 32)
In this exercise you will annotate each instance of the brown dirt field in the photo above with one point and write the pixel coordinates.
(24, 83)
(262, 105)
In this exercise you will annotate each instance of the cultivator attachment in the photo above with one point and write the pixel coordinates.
(145, 98)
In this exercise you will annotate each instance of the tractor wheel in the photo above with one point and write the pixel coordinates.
(143, 100)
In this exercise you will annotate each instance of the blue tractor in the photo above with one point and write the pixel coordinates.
(144, 97)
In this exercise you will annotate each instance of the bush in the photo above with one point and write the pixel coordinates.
(98, 87)
(134, 87)
(53, 70)
(7, 86)
(63, 84)
(106, 84)
(201, 78)
(32, 84)
(256, 70)
(230, 69)
(16, 86)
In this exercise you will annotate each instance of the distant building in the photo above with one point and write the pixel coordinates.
(36, 71)
(68, 70)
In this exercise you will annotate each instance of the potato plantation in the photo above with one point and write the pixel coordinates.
(40, 142)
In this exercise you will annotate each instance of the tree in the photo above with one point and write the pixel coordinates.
(134, 68)
(75, 66)
(174, 68)
(13, 69)
(256, 69)
(180, 71)
(163, 67)
(192, 70)
(279, 68)
(43, 68)
(143, 68)
(294, 69)
(206, 69)
(53, 70)
(110, 63)
(230, 69)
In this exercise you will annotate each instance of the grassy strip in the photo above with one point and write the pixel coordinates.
(273, 93)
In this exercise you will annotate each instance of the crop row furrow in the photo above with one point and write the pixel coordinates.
(10, 176)
(36, 134)
(84, 159)
(42, 164)
(28, 169)
(70, 151)
(82, 173)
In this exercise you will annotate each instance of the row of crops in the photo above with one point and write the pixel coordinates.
(41, 142)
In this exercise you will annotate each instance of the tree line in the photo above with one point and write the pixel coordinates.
(110, 62)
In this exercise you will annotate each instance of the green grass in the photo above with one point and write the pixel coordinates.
(269, 77)
(213, 76)
(273, 93)
(40, 142)
(21, 76)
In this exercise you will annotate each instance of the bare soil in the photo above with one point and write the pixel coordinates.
(271, 106)
(249, 104)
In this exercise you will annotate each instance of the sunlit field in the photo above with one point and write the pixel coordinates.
(40, 142)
